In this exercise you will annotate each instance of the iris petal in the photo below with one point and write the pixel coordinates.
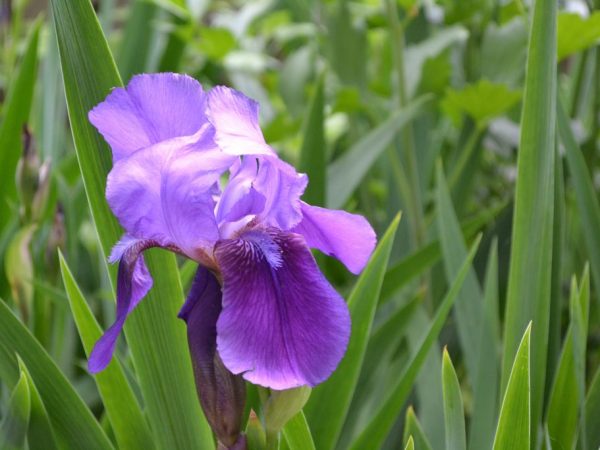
(152, 108)
(282, 324)
(235, 118)
(165, 192)
(133, 283)
(347, 237)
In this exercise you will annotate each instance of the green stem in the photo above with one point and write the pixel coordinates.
(272, 440)
(408, 141)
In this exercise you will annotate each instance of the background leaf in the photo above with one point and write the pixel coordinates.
(156, 339)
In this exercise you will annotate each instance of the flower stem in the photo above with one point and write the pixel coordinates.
(272, 440)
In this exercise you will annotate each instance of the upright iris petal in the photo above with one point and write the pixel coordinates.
(165, 192)
(282, 323)
(153, 108)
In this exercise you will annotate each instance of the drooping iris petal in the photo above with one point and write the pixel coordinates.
(347, 237)
(133, 283)
(282, 324)
(152, 108)
(235, 118)
(221, 393)
(165, 192)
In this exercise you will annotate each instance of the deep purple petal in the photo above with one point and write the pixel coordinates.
(282, 325)
(165, 192)
(347, 237)
(235, 118)
(222, 394)
(133, 283)
(152, 108)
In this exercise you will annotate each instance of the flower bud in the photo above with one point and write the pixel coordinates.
(32, 179)
(283, 405)
(222, 394)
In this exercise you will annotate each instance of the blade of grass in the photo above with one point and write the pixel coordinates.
(514, 425)
(123, 411)
(454, 415)
(328, 406)
(376, 431)
(155, 336)
(529, 282)
(72, 421)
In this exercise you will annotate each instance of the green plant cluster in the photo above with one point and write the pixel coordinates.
(476, 323)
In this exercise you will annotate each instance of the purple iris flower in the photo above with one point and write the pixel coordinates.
(193, 174)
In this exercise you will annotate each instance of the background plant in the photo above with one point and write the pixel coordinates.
(477, 119)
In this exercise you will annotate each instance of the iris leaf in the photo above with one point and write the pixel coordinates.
(563, 402)
(73, 423)
(297, 434)
(313, 154)
(592, 412)
(156, 338)
(454, 415)
(515, 417)
(13, 429)
(122, 408)
(406, 270)
(39, 432)
(412, 428)
(374, 434)
(585, 194)
(328, 406)
(529, 281)
(475, 333)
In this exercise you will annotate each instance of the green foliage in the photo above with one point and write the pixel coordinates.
(482, 101)
(479, 120)
(576, 33)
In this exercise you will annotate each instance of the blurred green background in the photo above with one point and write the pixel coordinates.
(478, 119)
